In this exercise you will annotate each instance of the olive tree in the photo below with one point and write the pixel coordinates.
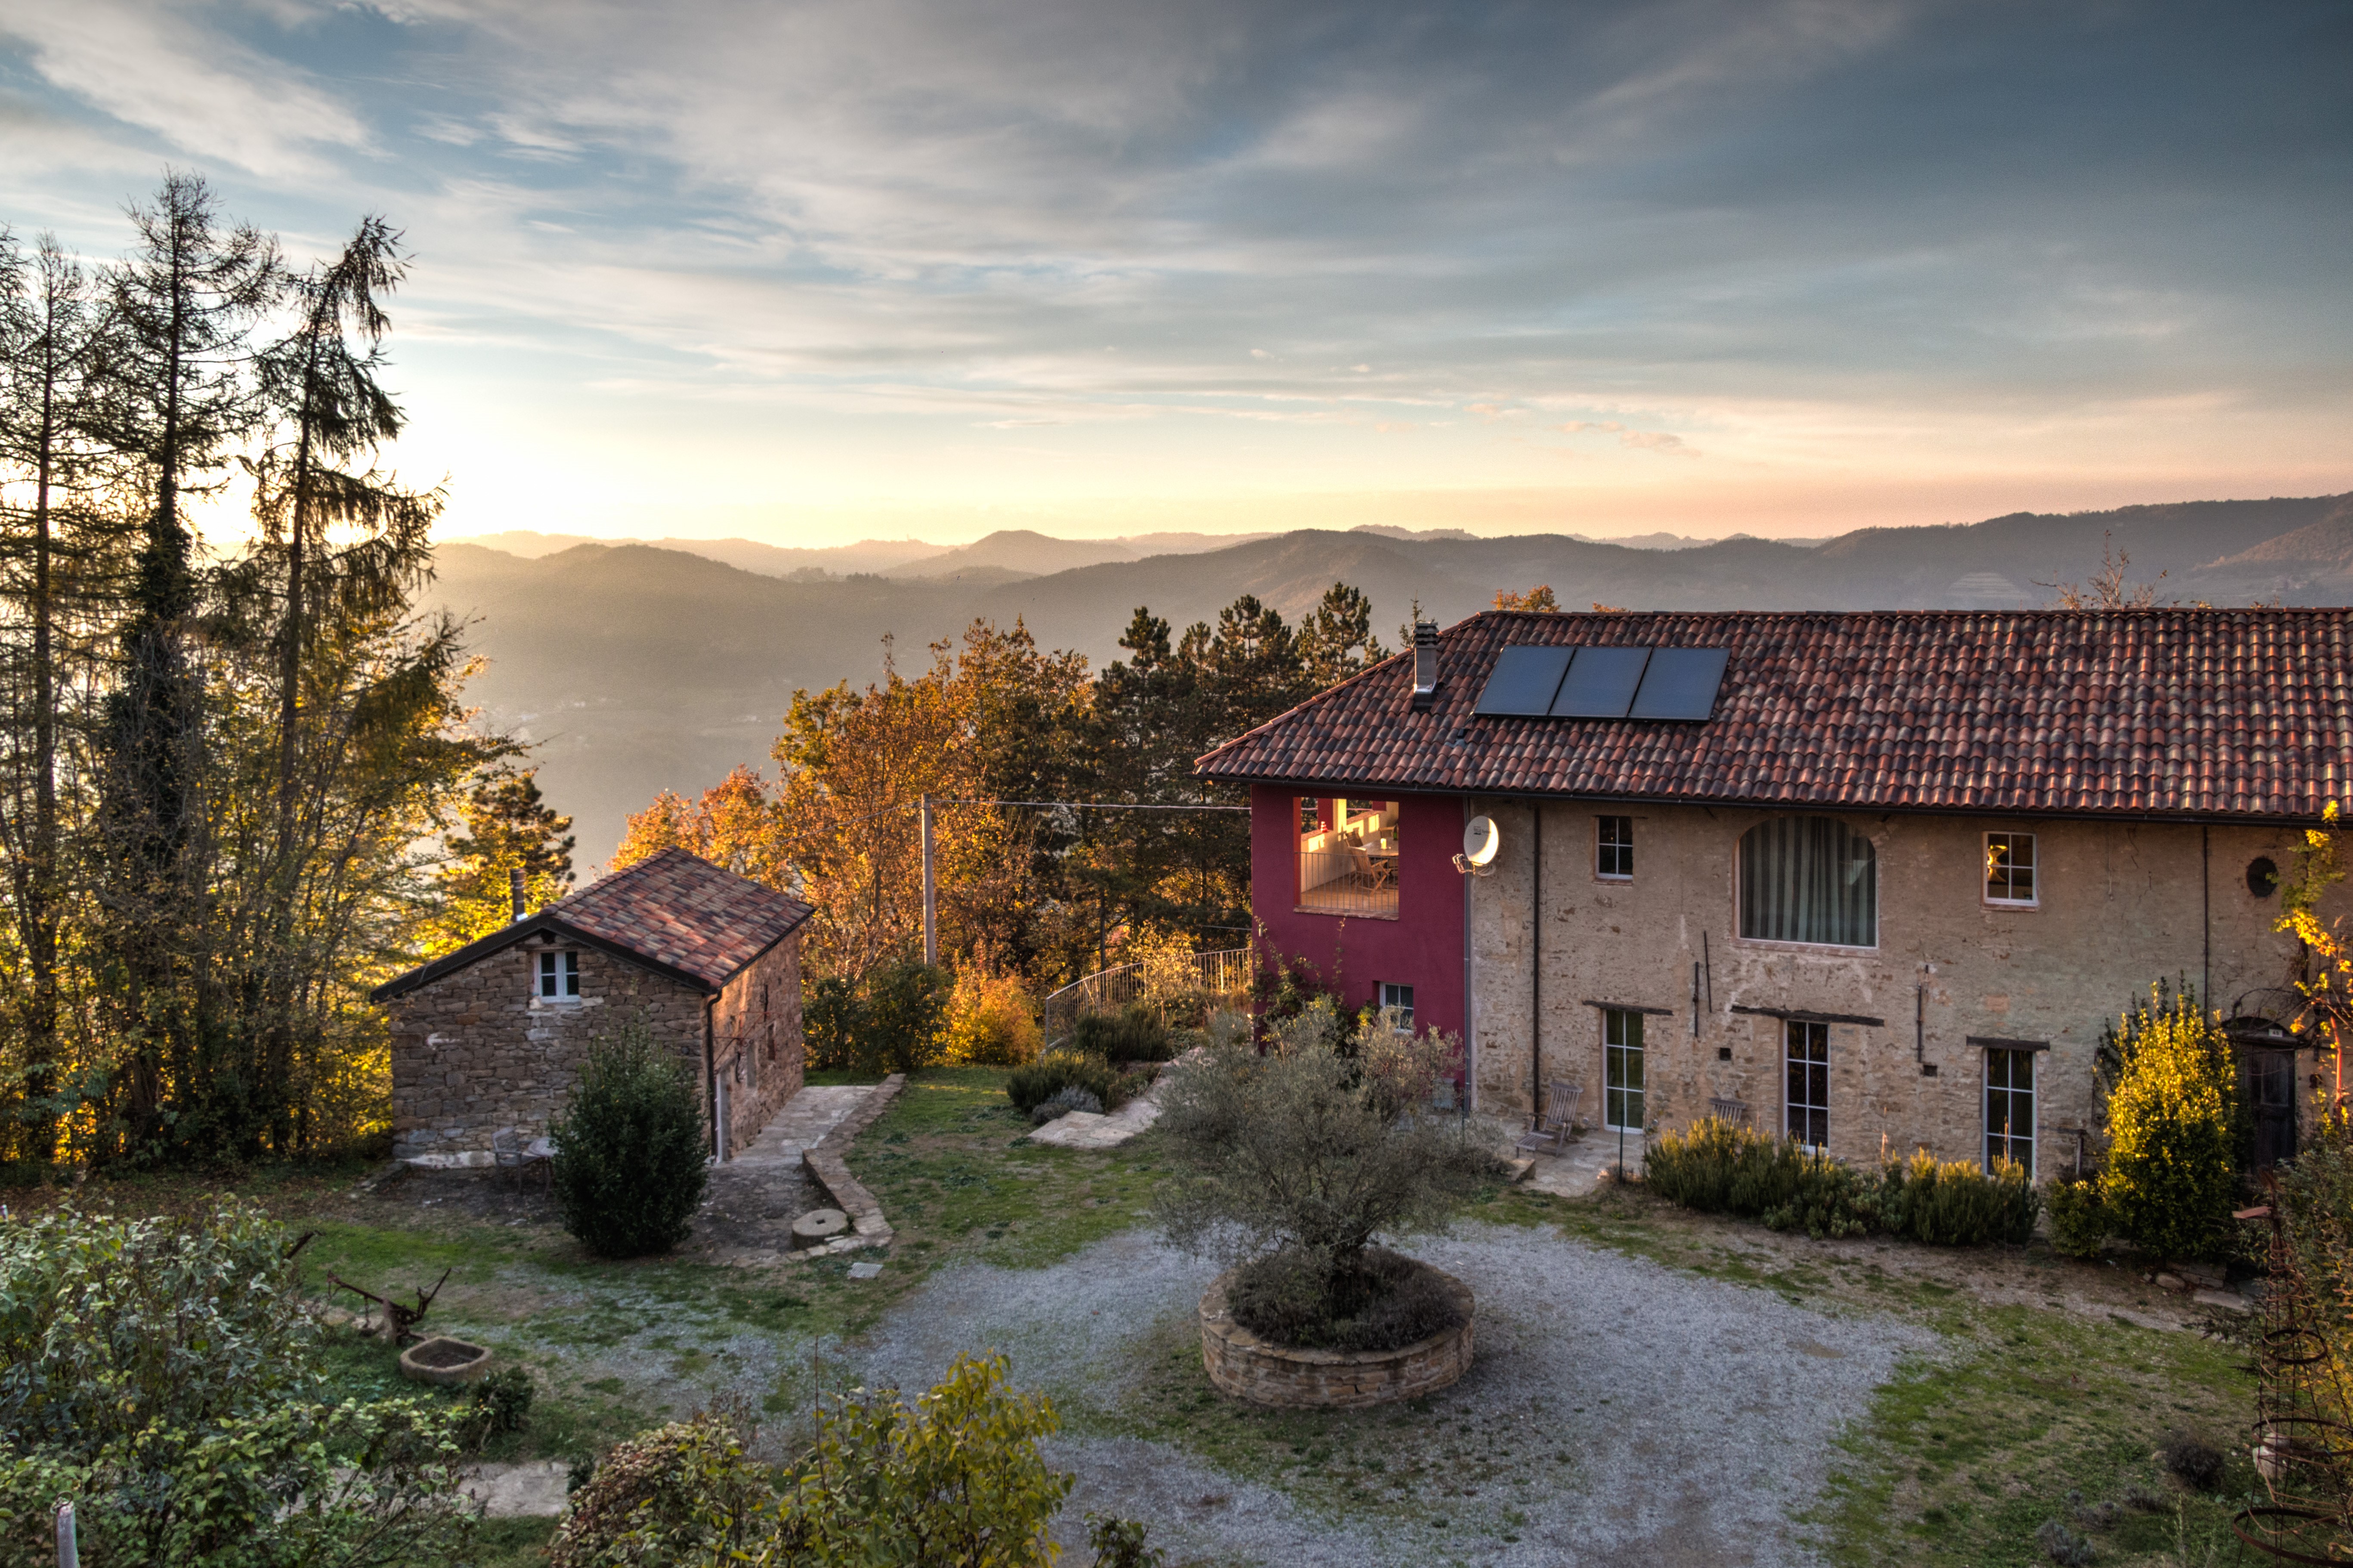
(1294, 1163)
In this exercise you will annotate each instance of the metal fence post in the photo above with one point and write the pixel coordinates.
(931, 893)
(68, 1546)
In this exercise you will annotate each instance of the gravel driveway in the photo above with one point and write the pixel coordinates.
(1619, 1412)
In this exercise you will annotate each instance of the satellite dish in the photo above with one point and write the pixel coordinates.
(1481, 841)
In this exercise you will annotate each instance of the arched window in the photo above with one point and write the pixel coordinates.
(1809, 879)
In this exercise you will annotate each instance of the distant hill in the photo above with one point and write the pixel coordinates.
(640, 668)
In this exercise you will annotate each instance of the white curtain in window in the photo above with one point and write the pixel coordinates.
(1809, 879)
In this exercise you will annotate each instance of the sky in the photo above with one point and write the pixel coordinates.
(813, 272)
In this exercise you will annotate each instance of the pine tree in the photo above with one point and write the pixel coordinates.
(176, 371)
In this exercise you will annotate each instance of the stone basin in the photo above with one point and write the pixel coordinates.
(444, 1360)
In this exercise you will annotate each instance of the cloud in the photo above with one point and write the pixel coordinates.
(1657, 441)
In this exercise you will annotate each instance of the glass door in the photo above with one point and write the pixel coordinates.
(1622, 1063)
(2010, 1108)
(1806, 1096)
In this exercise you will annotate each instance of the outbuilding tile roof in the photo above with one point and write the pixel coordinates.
(672, 911)
(2160, 712)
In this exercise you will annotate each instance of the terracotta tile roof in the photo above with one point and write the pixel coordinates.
(2167, 712)
(672, 911)
(682, 910)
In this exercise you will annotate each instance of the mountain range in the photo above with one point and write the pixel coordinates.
(638, 666)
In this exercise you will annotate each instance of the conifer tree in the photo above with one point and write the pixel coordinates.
(179, 395)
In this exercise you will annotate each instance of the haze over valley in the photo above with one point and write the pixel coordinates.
(643, 667)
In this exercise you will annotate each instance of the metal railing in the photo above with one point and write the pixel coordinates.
(1226, 974)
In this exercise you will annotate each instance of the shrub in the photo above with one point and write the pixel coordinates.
(1031, 1086)
(2063, 1545)
(159, 1374)
(1310, 1153)
(1134, 1035)
(2170, 1178)
(1120, 1543)
(2079, 1221)
(906, 1003)
(499, 1404)
(629, 1168)
(1377, 1302)
(989, 1022)
(833, 1020)
(1955, 1203)
(1064, 1100)
(2193, 1462)
(679, 1493)
(1727, 1168)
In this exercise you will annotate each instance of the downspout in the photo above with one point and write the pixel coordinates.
(1536, 971)
(2206, 916)
(1470, 1027)
(711, 1084)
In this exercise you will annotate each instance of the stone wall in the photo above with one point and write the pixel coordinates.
(1247, 1367)
(477, 1051)
(2122, 904)
(756, 1046)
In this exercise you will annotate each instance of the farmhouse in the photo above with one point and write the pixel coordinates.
(1851, 876)
(489, 1039)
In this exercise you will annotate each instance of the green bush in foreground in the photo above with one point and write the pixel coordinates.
(1135, 1035)
(2079, 1220)
(629, 1168)
(956, 1480)
(1721, 1167)
(160, 1372)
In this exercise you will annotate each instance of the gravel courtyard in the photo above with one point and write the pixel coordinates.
(1618, 1412)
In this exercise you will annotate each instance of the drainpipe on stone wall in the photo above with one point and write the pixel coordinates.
(2206, 915)
(1535, 971)
(1469, 1025)
(711, 1082)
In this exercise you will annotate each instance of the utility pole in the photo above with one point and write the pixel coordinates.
(931, 893)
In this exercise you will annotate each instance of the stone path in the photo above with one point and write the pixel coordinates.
(748, 1211)
(1585, 1165)
(1091, 1129)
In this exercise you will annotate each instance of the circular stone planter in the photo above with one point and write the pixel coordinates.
(444, 1360)
(1247, 1367)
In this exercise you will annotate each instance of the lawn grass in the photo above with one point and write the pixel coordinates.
(1957, 1462)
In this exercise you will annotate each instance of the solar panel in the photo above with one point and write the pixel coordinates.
(1681, 683)
(1524, 682)
(1601, 683)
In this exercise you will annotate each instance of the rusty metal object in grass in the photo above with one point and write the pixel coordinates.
(399, 1320)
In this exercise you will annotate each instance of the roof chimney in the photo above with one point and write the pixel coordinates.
(1425, 665)
(515, 891)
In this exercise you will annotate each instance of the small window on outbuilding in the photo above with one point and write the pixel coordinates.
(559, 976)
(1613, 848)
(2010, 870)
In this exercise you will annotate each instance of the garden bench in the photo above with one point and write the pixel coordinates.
(1732, 1110)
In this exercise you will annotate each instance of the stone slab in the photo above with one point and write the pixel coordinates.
(535, 1489)
(1092, 1129)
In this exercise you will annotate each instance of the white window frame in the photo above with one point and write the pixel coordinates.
(1602, 846)
(1630, 1045)
(2034, 869)
(1399, 998)
(2030, 1095)
(1788, 1028)
(556, 976)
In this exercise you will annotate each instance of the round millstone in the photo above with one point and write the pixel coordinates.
(818, 1226)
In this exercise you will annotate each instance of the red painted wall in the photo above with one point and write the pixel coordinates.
(1421, 948)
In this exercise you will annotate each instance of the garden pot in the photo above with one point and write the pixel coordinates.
(444, 1360)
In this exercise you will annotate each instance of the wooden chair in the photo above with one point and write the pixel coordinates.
(1550, 1129)
(509, 1152)
(1732, 1110)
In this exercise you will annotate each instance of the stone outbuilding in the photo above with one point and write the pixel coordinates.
(491, 1038)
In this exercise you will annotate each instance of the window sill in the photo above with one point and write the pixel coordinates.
(2012, 904)
(1612, 877)
(1771, 945)
(1344, 914)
